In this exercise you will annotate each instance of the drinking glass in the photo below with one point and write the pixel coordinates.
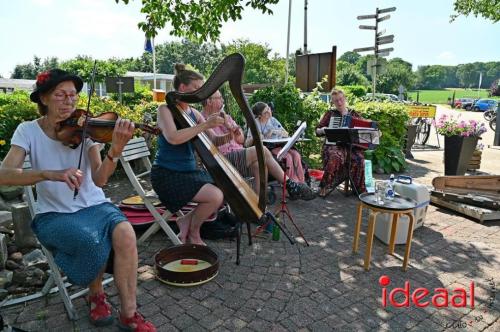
(380, 192)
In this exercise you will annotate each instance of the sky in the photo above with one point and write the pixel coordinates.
(103, 29)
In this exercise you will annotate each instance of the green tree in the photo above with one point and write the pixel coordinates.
(83, 66)
(398, 72)
(351, 57)
(30, 70)
(489, 9)
(199, 20)
(431, 77)
(348, 74)
(468, 75)
(261, 66)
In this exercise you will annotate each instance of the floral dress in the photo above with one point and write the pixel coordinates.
(335, 161)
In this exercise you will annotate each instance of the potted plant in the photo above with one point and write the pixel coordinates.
(460, 140)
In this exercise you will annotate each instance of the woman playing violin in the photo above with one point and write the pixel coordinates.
(81, 231)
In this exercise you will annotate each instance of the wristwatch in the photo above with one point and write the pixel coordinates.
(114, 160)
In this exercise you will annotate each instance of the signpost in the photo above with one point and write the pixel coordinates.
(380, 39)
(119, 85)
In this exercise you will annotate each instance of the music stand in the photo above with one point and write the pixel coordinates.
(283, 208)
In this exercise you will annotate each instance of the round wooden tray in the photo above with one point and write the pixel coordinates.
(186, 265)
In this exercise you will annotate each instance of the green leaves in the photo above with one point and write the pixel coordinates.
(392, 119)
(489, 9)
(199, 20)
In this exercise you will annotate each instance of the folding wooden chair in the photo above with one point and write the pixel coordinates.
(137, 149)
(55, 276)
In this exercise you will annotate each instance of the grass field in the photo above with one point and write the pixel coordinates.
(441, 96)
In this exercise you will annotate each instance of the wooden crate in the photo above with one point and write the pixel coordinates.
(480, 214)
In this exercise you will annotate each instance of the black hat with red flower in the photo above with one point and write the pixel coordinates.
(50, 79)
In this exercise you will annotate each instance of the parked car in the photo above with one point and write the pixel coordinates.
(484, 105)
(383, 97)
(459, 103)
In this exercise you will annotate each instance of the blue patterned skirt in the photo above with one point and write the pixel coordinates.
(81, 241)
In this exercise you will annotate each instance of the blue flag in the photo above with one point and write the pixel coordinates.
(148, 45)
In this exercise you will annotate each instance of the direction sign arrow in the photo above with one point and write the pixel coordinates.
(383, 54)
(367, 27)
(364, 49)
(386, 10)
(390, 49)
(383, 18)
(380, 33)
(385, 37)
(385, 41)
(365, 17)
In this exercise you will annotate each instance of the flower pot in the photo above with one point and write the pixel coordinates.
(458, 151)
(475, 160)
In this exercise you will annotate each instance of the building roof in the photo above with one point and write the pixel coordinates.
(149, 76)
(16, 84)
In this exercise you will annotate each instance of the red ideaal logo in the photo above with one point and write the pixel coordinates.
(439, 299)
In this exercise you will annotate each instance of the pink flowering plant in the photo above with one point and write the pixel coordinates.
(452, 126)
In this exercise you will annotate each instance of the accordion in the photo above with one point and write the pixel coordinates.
(361, 138)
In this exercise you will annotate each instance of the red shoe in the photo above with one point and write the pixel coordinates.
(136, 323)
(100, 310)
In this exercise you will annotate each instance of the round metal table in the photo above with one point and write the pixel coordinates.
(398, 206)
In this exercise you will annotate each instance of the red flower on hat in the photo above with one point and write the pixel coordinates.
(42, 77)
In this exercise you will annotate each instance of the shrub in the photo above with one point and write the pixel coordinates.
(14, 109)
(355, 90)
(392, 119)
(142, 94)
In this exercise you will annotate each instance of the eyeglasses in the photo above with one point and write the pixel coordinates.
(61, 96)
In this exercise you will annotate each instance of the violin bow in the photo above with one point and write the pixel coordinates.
(84, 132)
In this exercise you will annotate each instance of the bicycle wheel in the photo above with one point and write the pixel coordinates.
(493, 123)
(488, 115)
(423, 131)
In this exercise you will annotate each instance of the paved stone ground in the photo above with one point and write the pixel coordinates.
(323, 287)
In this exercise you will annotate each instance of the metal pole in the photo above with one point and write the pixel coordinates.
(374, 71)
(305, 26)
(154, 63)
(288, 40)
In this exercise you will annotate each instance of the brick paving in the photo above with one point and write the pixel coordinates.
(283, 287)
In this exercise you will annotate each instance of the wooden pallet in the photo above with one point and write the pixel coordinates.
(478, 213)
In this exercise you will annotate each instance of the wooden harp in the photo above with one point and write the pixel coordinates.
(240, 196)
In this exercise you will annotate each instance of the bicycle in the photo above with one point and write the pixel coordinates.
(423, 130)
(493, 122)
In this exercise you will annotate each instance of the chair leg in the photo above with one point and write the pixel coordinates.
(56, 275)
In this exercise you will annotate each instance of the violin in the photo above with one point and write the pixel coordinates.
(99, 128)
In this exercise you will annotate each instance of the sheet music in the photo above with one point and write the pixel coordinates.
(292, 140)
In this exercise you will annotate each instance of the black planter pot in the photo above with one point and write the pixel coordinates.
(457, 153)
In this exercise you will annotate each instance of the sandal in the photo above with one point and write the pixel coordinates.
(100, 310)
(136, 323)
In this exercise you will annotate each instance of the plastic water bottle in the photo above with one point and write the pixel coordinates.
(276, 232)
(389, 191)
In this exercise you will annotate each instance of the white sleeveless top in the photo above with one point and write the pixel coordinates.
(48, 154)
